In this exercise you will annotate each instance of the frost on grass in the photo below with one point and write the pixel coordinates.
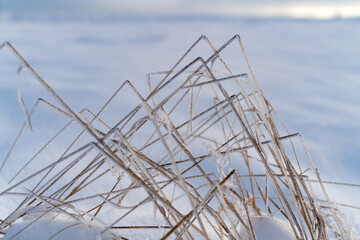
(202, 155)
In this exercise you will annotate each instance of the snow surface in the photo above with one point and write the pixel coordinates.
(308, 69)
(34, 224)
(44, 229)
(271, 228)
(266, 228)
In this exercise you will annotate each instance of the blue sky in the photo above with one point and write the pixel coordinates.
(264, 8)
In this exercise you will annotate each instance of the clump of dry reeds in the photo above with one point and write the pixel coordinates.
(204, 150)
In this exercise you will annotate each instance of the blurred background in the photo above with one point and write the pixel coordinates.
(305, 54)
(319, 9)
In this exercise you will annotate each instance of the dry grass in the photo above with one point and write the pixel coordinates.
(161, 154)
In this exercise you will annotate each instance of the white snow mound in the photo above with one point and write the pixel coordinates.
(271, 228)
(57, 229)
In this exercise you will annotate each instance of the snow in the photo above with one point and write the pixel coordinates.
(265, 227)
(308, 69)
(57, 229)
(271, 228)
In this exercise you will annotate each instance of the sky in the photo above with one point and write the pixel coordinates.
(319, 9)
